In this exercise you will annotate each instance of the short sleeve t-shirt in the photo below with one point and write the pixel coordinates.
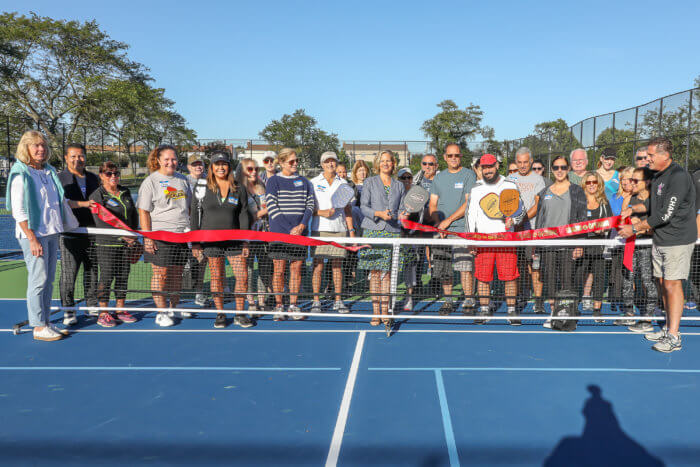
(83, 185)
(451, 189)
(558, 208)
(528, 186)
(168, 200)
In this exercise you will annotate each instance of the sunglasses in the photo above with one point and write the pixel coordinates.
(560, 167)
(591, 182)
(293, 162)
(512, 171)
(538, 169)
(250, 169)
(268, 161)
(110, 174)
(637, 180)
(450, 156)
(405, 177)
(428, 163)
(640, 158)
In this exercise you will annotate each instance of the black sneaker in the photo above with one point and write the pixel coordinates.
(243, 321)
(598, 313)
(221, 321)
(538, 308)
(447, 308)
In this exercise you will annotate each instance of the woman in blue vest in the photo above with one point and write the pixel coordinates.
(35, 197)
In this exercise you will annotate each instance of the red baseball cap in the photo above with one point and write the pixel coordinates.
(488, 159)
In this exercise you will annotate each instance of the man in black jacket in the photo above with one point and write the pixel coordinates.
(76, 249)
(672, 218)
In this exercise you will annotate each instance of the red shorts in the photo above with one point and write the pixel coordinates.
(505, 259)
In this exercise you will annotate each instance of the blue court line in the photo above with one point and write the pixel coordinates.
(446, 420)
(161, 368)
(611, 370)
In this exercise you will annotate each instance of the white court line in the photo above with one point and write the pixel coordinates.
(446, 420)
(526, 369)
(161, 368)
(346, 331)
(337, 440)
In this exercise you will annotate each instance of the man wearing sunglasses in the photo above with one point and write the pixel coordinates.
(78, 185)
(270, 165)
(427, 172)
(448, 202)
(641, 159)
(424, 178)
(672, 217)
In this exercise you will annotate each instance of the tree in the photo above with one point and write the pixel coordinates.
(300, 131)
(453, 125)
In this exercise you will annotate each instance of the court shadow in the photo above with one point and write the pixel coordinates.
(602, 443)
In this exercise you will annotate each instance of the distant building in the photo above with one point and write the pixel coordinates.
(368, 151)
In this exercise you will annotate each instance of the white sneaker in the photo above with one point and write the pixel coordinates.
(164, 320)
(339, 307)
(547, 324)
(58, 330)
(47, 334)
(408, 304)
(200, 300)
(69, 318)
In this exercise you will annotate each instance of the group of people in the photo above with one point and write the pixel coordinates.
(657, 195)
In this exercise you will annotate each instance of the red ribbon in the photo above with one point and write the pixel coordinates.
(199, 236)
(569, 230)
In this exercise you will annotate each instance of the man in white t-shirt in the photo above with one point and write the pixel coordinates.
(329, 221)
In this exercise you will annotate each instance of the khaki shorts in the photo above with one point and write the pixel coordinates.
(327, 251)
(672, 262)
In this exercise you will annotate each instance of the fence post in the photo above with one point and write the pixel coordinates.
(689, 136)
(636, 117)
(661, 113)
(9, 146)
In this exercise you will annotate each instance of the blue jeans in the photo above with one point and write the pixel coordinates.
(41, 271)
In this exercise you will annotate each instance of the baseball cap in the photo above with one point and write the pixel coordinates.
(609, 153)
(220, 157)
(488, 159)
(328, 155)
(269, 155)
(404, 170)
(195, 158)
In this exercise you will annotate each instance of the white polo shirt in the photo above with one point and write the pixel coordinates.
(323, 192)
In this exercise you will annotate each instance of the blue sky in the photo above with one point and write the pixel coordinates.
(376, 69)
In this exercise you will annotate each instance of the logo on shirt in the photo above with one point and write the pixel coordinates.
(298, 183)
(547, 196)
(233, 200)
(174, 194)
(321, 188)
(658, 190)
(459, 185)
(112, 203)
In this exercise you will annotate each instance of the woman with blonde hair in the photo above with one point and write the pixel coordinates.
(382, 206)
(290, 203)
(164, 204)
(35, 198)
(246, 176)
(592, 261)
(223, 206)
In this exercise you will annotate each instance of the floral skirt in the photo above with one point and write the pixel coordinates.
(378, 257)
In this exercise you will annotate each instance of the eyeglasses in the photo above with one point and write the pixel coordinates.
(560, 167)
(512, 171)
(293, 162)
(111, 174)
(430, 164)
(450, 156)
(591, 182)
(538, 169)
(250, 169)
(405, 177)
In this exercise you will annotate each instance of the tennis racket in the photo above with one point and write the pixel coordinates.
(490, 205)
(342, 196)
(509, 200)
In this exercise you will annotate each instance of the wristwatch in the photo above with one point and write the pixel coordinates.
(634, 229)
(351, 230)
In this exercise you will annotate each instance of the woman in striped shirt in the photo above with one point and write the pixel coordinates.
(290, 204)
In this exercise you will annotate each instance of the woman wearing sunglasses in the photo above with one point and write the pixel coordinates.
(559, 204)
(290, 202)
(113, 253)
(592, 262)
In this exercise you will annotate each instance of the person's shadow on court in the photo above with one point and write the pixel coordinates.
(602, 442)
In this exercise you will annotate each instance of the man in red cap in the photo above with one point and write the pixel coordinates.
(484, 220)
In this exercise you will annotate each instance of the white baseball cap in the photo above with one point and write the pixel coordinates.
(328, 155)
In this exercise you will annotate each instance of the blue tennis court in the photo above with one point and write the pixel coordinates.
(324, 391)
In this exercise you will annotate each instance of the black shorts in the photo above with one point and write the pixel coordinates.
(221, 249)
(287, 251)
(168, 254)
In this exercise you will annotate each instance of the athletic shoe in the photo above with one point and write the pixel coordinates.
(63, 332)
(316, 307)
(126, 317)
(200, 300)
(641, 326)
(690, 306)
(447, 308)
(279, 313)
(186, 314)
(243, 321)
(93, 312)
(547, 324)
(106, 320)
(47, 334)
(220, 322)
(656, 336)
(339, 307)
(587, 304)
(538, 307)
(468, 306)
(163, 319)
(482, 320)
(408, 304)
(514, 322)
(598, 313)
(668, 344)
(69, 318)
(296, 313)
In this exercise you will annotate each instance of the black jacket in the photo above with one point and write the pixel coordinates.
(673, 207)
(121, 206)
(72, 192)
(231, 213)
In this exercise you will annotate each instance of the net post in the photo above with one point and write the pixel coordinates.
(394, 277)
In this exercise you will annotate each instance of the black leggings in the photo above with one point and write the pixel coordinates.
(556, 265)
(591, 262)
(77, 250)
(113, 267)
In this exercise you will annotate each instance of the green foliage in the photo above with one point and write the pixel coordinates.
(300, 131)
(453, 125)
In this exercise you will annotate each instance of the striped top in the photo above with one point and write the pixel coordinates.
(290, 202)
